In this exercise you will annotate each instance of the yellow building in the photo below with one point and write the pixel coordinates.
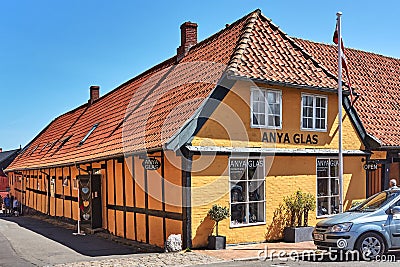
(240, 119)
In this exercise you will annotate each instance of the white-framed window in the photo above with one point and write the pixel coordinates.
(314, 110)
(247, 191)
(327, 186)
(266, 108)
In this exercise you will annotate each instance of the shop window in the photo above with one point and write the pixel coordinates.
(313, 112)
(266, 108)
(247, 191)
(327, 187)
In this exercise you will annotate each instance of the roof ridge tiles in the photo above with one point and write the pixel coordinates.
(243, 41)
(347, 48)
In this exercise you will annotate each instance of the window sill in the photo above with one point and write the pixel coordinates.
(246, 225)
(266, 127)
(313, 130)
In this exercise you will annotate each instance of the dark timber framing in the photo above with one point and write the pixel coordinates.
(134, 195)
(146, 205)
(115, 199)
(186, 198)
(163, 195)
(124, 194)
(49, 204)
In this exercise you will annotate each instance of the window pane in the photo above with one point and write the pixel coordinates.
(334, 205)
(322, 187)
(256, 191)
(272, 98)
(237, 169)
(238, 214)
(256, 167)
(237, 193)
(322, 206)
(255, 120)
(334, 164)
(322, 168)
(334, 187)
(256, 212)
(261, 107)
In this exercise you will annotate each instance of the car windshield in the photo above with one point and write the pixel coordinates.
(376, 201)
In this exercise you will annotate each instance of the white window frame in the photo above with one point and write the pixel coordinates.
(314, 117)
(247, 202)
(279, 92)
(329, 187)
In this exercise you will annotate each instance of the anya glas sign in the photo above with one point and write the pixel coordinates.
(247, 191)
(327, 187)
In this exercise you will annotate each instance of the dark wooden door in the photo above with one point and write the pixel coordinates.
(96, 202)
(375, 182)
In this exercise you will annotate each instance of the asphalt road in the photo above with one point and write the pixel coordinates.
(26, 241)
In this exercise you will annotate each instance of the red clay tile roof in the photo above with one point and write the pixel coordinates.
(147, 111)
(269, 54)
(376, 79)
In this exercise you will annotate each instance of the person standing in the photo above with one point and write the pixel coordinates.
(15, 206)
(393, 184)
(7, 204)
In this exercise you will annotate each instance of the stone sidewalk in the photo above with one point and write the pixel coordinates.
(139, 254)
(198, 257)
(258, 250)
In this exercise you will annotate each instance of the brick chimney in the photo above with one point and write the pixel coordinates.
(188, 38)
(94, 93)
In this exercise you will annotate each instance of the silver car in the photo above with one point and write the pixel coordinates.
(371, 227)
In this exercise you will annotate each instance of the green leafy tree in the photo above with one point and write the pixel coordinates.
(218, 213)
(298, 205)
(308, 204)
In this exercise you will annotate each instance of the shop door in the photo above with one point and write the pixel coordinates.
(96, 202)
(90, 200)
(375, 182)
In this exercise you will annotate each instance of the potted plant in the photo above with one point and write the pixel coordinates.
(217, 213)
(297, 207)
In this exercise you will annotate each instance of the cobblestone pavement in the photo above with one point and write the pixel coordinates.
(153, 260)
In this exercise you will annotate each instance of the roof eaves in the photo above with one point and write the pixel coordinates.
(286, 84)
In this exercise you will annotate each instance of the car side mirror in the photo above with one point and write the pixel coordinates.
(395, 210)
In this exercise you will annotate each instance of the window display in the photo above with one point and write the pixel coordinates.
(327, 187)
(247, 191)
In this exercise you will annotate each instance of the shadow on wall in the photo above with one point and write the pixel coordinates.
(204, 230)
(278, 224)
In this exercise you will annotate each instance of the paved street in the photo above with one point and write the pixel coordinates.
(27, 241)
(33, 241)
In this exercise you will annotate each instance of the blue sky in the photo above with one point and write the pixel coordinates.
(52, 51)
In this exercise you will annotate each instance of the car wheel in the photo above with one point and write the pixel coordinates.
(370, 245)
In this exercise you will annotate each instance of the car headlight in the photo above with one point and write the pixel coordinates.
(341, 227)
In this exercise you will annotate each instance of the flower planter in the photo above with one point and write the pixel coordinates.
(216, 242)
(297, 234)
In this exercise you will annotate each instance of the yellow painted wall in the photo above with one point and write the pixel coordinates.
(211, 186)
(229, 126)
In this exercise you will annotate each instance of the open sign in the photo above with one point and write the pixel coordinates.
(371, 166)
(151, 164)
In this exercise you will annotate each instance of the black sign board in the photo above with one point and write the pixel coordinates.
(371, 166)
(151, 164)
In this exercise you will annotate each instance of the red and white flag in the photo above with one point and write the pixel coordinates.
(343, 57)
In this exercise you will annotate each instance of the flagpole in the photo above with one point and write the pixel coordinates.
(340, 115)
